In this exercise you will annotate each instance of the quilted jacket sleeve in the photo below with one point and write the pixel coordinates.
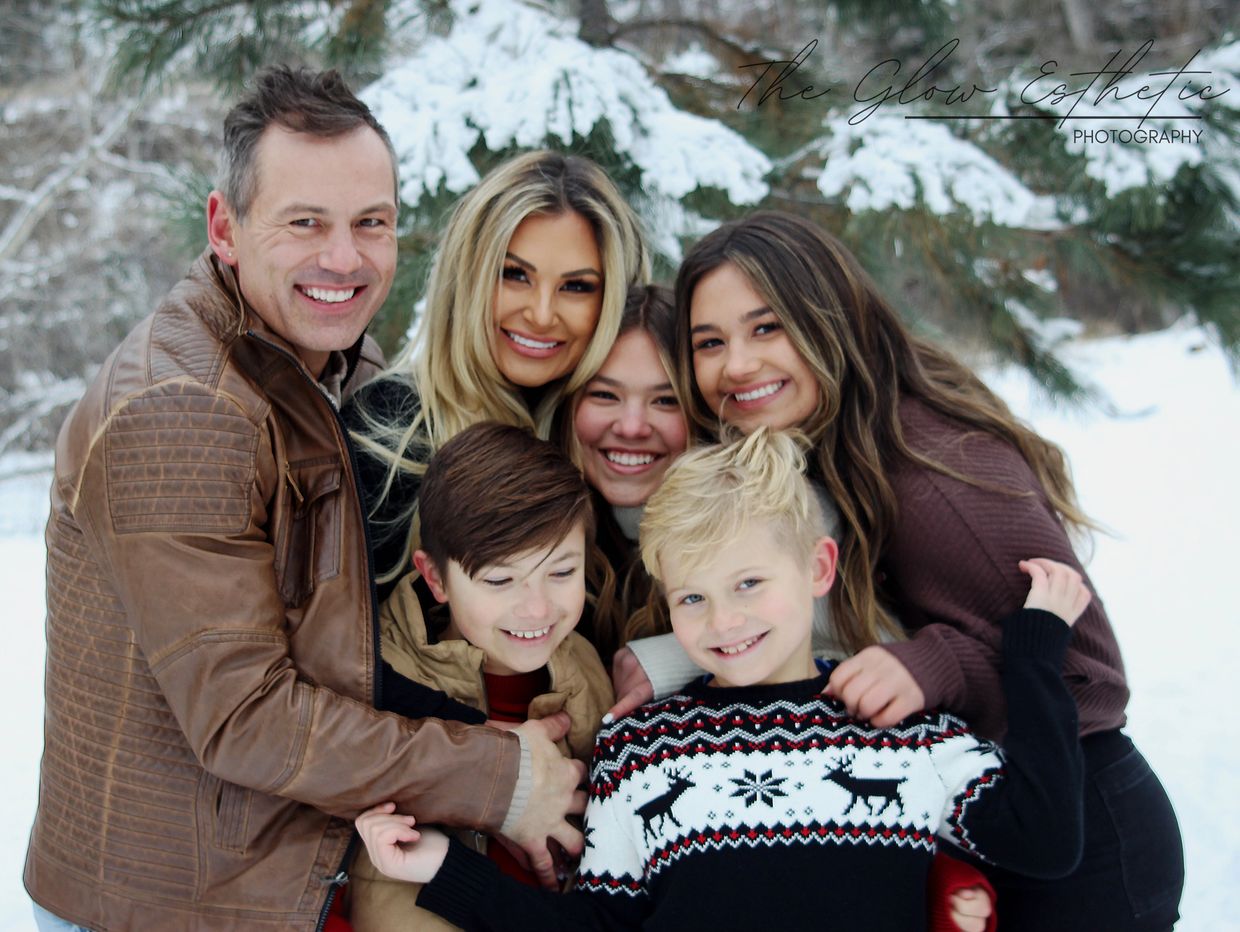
(173, 492)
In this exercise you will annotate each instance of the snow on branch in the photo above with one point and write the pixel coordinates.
(40, 396)
(509, 74)
(43, 198)
(887, 162)
(1115, 147)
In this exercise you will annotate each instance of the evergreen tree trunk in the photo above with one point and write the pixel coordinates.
(1080, 24)
(596, 23)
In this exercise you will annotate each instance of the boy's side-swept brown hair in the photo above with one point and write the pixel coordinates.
(495, 491)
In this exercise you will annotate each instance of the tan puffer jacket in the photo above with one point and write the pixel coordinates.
(579, 686)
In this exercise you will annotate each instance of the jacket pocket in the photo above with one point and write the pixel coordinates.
(308, 545)
(224, 810)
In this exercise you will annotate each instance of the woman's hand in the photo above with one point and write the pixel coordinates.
(875, 686)
(631, 683)
(1056, 588)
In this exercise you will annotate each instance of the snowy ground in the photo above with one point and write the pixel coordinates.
(1160, 474)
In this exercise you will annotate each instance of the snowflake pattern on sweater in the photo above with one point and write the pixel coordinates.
(700, 772)
(731, 808)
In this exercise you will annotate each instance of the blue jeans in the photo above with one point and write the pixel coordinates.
(47, 922)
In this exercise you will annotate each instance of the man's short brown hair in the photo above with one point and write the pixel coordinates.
(317, 103)
(495, 491)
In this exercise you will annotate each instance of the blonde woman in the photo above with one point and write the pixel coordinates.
(523, 305)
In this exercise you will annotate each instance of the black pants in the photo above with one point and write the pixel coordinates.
(1132, 872)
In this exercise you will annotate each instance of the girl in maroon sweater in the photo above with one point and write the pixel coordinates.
(941, 490)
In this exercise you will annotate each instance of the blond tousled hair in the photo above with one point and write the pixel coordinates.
(715, 495)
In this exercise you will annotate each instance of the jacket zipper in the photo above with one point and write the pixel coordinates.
(292, 484)
(341, 877)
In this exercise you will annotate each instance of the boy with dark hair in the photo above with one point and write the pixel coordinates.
(750, 800)
(506, 525)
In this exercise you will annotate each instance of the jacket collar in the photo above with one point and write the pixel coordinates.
(452, 656)
(234, 317)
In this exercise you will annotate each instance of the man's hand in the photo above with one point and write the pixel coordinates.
(1056, 588)
(554, 794)
(396, 849)
(875, 686)
(971, 908)
(631, 683)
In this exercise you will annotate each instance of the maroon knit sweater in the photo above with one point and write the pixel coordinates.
(950, 569)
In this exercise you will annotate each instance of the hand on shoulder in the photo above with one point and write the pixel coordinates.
(875, 686)
(1056, 587)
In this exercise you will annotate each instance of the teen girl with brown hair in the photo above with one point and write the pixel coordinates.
(940, 490)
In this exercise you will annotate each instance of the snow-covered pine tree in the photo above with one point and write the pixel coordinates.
(990, 233)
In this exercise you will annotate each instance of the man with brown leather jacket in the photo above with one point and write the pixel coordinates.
(212, 659)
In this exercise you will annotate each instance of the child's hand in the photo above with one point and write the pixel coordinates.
(971, 908)
(1056, 588)
(396, 849)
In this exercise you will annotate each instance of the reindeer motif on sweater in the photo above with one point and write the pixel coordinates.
(721, 771)
(779, 788)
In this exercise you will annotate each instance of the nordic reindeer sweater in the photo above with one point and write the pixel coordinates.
(770, 807)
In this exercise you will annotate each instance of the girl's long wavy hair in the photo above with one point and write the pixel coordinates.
(449, 362)
(626, 604)
(865, 360)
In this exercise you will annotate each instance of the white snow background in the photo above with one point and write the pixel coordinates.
(1161, 474)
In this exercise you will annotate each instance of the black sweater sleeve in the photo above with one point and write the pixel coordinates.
(471, 892)
(1029, 817)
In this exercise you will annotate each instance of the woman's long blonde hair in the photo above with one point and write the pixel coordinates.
(449, 362)
(865, 360)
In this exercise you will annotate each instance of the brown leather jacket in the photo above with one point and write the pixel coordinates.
(211, 638)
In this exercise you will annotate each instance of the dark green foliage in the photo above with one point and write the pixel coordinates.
(1141, 257)
(904, 27)
(227, 41)
(879, 19)
(186, 216)
(961, 284)
(1191, 259)
(391, 325)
